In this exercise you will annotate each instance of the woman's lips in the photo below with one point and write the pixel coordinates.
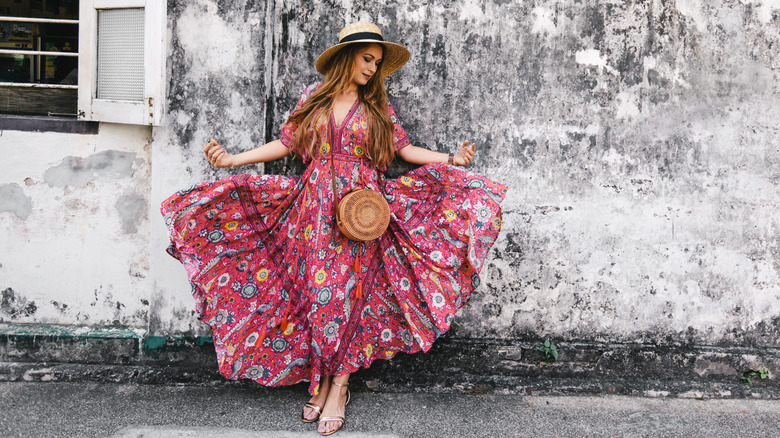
(366, 76)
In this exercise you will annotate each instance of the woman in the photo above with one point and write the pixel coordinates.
(288, 296)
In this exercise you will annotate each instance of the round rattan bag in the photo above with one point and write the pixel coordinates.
(363, 215)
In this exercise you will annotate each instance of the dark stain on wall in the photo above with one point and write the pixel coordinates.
(13, 306)
(630, 66)
(593, 25)
(61, 307)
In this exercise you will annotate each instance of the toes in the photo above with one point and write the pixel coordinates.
(326, 427)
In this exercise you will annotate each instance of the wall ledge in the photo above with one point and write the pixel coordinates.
(61, 353)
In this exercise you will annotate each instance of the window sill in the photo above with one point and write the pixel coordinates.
(65, 125)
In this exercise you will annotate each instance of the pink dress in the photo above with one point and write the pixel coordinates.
(289, 298)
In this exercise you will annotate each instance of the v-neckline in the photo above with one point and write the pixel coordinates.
(349, 113)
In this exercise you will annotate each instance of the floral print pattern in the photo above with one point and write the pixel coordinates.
(289, 298)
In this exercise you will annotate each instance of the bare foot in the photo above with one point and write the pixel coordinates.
(310, 414)
(335, 405)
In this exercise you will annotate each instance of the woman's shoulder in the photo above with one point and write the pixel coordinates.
(307, 92)
(311, 88)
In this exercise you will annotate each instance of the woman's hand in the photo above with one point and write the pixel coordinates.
(217, 155)
(418, 155)
(465, 154)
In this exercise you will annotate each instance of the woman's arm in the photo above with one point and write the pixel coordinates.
(418, 155)
(218, 156)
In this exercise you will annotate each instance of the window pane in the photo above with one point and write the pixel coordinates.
(120, 69)
(22, 75)
(65, 9)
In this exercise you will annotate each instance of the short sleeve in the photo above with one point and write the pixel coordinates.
(400, 140)
(288, 129)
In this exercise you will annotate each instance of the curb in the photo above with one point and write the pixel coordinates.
(500, 366)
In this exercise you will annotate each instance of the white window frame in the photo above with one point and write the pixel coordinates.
(148, 111)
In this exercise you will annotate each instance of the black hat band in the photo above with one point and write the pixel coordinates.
(362, 36)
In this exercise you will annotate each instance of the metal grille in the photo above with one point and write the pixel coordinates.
(120, 58)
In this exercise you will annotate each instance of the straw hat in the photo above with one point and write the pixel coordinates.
(395, 56)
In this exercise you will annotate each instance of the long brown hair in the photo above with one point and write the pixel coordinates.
(373, 96)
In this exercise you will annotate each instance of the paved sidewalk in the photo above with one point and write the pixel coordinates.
(40, 409)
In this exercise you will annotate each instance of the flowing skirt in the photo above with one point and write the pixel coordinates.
(289, 298)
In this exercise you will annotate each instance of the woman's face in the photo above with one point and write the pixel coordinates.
(366, 63)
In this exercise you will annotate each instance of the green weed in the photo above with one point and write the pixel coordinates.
(550, 351)
(747, 376)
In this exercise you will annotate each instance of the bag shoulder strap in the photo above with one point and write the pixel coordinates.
(333, 186)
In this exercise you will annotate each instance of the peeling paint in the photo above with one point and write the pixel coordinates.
(132, 209)
(13, 200)
(77, 171)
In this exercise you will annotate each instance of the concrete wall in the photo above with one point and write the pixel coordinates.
(639, 140)
(75, 224)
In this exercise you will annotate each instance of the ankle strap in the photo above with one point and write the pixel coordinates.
(341, 385)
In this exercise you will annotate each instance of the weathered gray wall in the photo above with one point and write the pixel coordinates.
(74, 221)
(639, 140)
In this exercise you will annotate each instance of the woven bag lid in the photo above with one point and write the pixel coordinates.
(363, 215)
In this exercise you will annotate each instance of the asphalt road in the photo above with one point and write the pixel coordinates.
(49, 409)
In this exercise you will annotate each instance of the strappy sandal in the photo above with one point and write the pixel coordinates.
(313, 407)
(332, 419)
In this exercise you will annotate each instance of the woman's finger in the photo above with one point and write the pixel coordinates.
(211, 143)
(212, 155)
(465, 154)
(222, 154)
(219, 155)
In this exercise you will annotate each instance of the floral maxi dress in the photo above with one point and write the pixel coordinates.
(290, 298)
